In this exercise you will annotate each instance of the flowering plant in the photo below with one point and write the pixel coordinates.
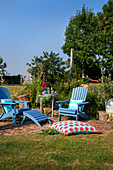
(44, 84)
(44, 87)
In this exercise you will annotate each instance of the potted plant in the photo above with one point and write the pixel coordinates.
(44, 88)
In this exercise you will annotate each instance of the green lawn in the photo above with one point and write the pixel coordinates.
(93, 151)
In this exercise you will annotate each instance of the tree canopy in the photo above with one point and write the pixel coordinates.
(2, 66)
(105, 37)
(80, 36)
(50, 67)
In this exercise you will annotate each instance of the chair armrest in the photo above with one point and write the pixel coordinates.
(66, 101)
(24, 102)
(62, 102)
(81, 104)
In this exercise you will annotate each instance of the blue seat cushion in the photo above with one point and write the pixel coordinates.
(74, 104)
(7, 108)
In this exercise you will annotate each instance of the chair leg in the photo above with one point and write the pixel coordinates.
(77, 118)
(49, 121)
(23, 120)
(14, 119)
(59, 117)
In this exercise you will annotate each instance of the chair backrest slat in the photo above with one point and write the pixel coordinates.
(79, 93)
(4, 93)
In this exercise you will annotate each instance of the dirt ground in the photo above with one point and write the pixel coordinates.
(29, 127)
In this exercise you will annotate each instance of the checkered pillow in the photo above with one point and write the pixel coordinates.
(73, 127)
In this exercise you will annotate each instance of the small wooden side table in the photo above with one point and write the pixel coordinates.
(49, 95)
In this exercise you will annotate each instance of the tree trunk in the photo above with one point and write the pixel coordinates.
(71, 64)
(83, 68)
(102, 74)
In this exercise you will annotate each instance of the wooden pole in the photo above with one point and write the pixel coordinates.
(71, 64)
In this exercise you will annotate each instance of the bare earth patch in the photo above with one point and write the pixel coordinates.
(29, 127)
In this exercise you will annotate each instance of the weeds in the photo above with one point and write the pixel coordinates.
(48, 131)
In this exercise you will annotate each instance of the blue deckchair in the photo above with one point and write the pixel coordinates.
(9, 109)
(76, 104)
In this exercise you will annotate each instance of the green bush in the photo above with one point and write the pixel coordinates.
(96, 102)
(31, 90)
(97, 96)
(64, 89)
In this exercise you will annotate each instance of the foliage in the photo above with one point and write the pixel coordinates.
(104, 38)
(91, 37)
(49, 66)
(80, 36)
(64, 89)
(31, 90)
(48, 131)
(96, 102)
(97, 96)
(12, 79)
(2, 66)
(85, 80)
(106, 88)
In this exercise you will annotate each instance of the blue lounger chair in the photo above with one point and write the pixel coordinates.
(76, 104)
(9, 109)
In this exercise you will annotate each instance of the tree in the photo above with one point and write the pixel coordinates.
(80, 35)
(49, 67)
(105, 38)
(2, 66)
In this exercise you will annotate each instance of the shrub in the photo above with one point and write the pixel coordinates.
(31, 90)
(97, 96)
(64, 89)
(96, 102)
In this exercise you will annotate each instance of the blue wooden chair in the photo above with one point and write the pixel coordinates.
(9, 109)
(8, 106)
(76, 104)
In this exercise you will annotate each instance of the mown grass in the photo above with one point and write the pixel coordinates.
(92, 151)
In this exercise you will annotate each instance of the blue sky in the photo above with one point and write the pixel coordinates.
(29, 27)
